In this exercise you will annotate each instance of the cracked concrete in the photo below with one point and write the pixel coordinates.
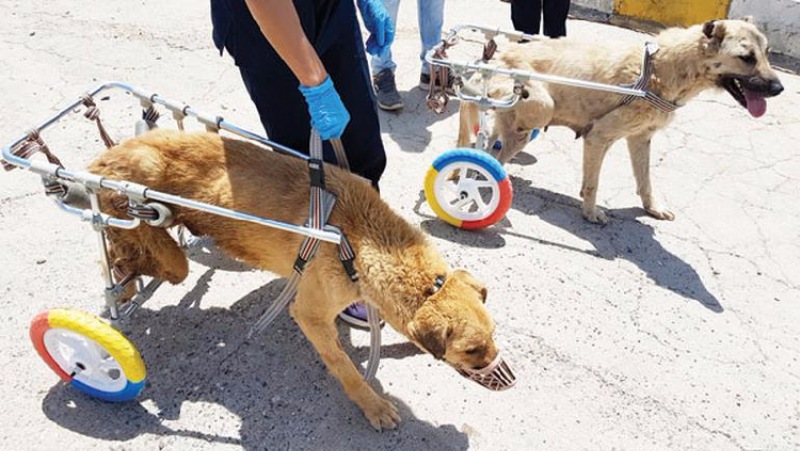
(637, 335)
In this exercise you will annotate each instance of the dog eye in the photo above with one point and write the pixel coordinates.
(748, 59)
(472, 351)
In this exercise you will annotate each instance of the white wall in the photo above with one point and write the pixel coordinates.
(779, 19)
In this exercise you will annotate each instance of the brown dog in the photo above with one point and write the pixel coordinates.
(398, 268)
(729, 54)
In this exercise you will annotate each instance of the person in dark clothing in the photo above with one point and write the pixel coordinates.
(526, 16)
(303, 64)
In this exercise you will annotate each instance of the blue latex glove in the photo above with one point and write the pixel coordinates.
(328, 114)
(379, 24)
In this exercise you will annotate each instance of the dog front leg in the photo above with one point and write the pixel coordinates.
(467, 121)
(316, 317)
(639, 149)
(594, 151)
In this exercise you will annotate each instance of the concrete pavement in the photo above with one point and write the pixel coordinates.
(638, 335)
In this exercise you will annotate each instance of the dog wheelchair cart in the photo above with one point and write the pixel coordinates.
(90, 353)
(468, 188)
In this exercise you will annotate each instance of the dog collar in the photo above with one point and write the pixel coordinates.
(650, 49)
(438, 283)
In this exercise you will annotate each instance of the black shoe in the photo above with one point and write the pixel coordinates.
(386, 91)
(425, 83)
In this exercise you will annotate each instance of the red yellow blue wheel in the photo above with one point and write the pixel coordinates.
(468, 189)
(89, 354)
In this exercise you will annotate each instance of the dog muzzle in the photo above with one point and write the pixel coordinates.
(496, 376)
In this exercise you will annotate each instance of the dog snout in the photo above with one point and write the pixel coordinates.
(764, 86)
(775, 87)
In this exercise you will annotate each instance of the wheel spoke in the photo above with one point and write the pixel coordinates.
(463, 202)
(451, 186)
(476, 196)
(462, 176)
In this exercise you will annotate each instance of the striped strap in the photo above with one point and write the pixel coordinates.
(320, 207)
(650, 49)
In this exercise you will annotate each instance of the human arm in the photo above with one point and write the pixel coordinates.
(280, 25)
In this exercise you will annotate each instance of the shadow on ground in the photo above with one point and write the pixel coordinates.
(624, 237)
(410, 127)
(275, 384)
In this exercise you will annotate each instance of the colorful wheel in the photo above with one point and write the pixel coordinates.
(468, 189)
(89, 354)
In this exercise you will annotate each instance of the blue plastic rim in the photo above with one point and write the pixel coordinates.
(479, 158)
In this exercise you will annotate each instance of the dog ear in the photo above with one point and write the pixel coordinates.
(714, 30)
(473, 282)
(429, 331)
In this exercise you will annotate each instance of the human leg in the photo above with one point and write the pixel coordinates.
(431, 18)
(346, 64)
(274, 89)
(383, 67)
(526, 15)
(555, 17)
(384, 61)
(430, 15)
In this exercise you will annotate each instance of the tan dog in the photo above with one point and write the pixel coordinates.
(729, 54)
(398, 268)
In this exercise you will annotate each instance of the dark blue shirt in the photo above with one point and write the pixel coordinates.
(322, 21)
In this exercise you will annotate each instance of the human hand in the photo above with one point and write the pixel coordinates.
(379, 24)
(328, 114)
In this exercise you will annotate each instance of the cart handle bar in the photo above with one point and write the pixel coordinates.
(518, 75)
(93, 181)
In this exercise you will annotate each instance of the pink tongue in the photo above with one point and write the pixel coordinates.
(757, 106)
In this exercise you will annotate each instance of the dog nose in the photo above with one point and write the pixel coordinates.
(775, 87)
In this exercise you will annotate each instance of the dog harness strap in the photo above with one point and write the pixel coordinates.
(93, 114)
(321, 203)
(320, 208)
(437, 97)
(650, 49)
(34, 143)
(341, 155)
(136, 210)
(374, 320)
(348, 256)
(54, 188)
(151, 116)
(277, 306)
(315, 163)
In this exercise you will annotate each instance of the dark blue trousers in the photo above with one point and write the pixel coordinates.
(332, 28)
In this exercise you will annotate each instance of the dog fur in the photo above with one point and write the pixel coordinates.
(396, 264)
(729, 54)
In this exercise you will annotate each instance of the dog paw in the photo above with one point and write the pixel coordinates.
(382, 414)
(595, 215)
(660, 213)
